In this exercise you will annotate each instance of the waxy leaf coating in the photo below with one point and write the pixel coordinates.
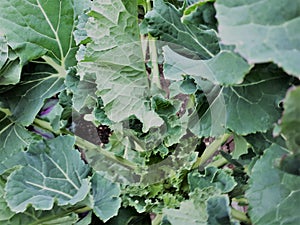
(53, 172)
(114, 60)
(262, 31)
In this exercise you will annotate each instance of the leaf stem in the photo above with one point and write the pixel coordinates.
(44, 124)
(148, 5)
(155, 75)
(236, 214)
(55, 31)
(243, 201)
(60, 69)
(210, 150)
(157, 220)
(219, 162)
(154, 62)
(80, 142)
(6, 111)
(83, 209)
(84, 144)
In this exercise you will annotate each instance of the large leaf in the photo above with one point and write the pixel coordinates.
(53, 171)
(215, 69)
(36, 27)
(290, 122)
(254, 105)
(246, 108)
(114, 59)
(273, 200)
(26, 98)
(106, 197)
(262, 31)
(13, 136)
(164, 22)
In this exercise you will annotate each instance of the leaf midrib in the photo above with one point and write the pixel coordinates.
(55, 31)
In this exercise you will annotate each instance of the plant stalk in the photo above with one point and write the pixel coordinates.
(210, 150)
(219, 162)
(80, 142)
(157, 220)
(155, 75)
(236, 214)
(84, 144)
(6, 111)
(59, 68)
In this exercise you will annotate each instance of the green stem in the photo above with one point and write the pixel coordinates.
(155, 76)
(148, 5)
(6, 111)
(210, 150)
(83, 209)
(44, 124)
(242, 201)
(240, 216)
(219, 162)
(61, 72)
(84, 144)
(157, 220)
(154, 62)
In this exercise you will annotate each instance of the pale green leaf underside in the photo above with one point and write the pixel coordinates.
(58, 175)
(215, 69)
(187, 214)
(114, 59)
(106, 197)
(274, 200)
(35, 27)
(262, 33)
(240, 146)
(212, 122)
